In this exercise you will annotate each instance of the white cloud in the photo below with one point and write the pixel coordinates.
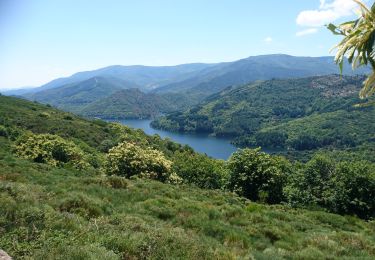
(268, 40)
(306, 32)
(326, 13)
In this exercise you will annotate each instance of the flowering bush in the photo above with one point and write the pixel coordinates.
(50, 149)
(127, 159)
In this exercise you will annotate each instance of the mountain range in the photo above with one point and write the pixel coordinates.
(189, 83)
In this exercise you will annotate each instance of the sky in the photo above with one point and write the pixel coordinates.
(45, 39)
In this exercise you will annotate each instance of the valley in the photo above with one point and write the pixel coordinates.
(213, 130)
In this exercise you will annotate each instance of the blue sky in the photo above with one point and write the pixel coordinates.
(45, 39)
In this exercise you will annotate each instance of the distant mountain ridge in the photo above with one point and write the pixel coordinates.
(215, 79)
(186, 76)
(191, 83)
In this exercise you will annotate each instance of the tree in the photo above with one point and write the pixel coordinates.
(257, 176)
(358, 44)
(200, 170)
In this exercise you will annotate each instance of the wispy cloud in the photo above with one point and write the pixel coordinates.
(268, 39)
(307, 32)
(326, 13)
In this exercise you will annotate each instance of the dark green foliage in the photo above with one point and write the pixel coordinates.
(344, 188)
(296, 114)
(272, 139)
(257, 176)
(200, 170)
(3, 131)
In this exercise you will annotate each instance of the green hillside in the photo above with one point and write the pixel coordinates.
(72, 188)
(300, 114)
(133, 103)
(72, 97)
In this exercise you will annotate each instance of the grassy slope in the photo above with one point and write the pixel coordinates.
(57, 213)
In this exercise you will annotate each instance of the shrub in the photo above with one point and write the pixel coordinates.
(50, 149)
(3, 131)
(117, 182)
(310, 186)
(83, 205)
(68, 117)
(344, 188)
(353, 189)
(44, 114)
(127, 159)
(105, 145)
(257, 175)
(200, 170)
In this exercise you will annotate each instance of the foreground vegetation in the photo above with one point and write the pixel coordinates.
(55, 213)
(77, 189)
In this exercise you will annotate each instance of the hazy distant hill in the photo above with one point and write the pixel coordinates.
(146, 77)
(214, 79)
(72, 97)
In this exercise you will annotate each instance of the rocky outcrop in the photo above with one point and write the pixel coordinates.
(4, 255)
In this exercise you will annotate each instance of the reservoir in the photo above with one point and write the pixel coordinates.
(219, 148)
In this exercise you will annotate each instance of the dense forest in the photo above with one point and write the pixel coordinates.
(77, 188)
(298, 115)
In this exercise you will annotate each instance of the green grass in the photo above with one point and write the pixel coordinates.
(56, 213)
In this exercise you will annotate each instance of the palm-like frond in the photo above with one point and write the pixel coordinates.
(358, 44)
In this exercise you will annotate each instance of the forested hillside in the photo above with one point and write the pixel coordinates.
(72, 97)
(133, 103)
(299, 114)
(110, 98)
(81, 189)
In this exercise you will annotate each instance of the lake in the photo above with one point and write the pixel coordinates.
(219, 148)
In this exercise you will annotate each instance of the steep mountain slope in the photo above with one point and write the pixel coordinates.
(133, 103)
(72, 97)
(244, 111)
(214, 79)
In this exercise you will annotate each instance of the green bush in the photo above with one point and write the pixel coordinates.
(200, 170)
(116, 182)
(3, 131)
(50, 149)
(127, 159)
(344, 188)
(44, 115)
(257, 175)
(353, 189)
(83, 205)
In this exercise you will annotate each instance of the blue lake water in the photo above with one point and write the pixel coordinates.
(219, 148)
